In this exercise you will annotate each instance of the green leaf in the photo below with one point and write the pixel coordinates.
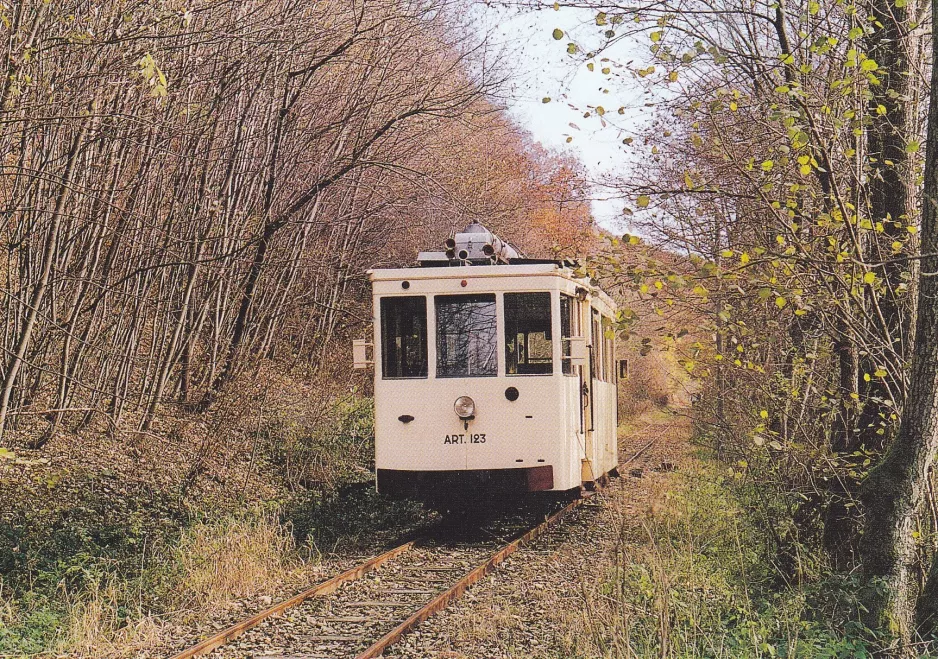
(869, 65)
(656, 36)
(913, 146)
(557, 33)
(643, 201)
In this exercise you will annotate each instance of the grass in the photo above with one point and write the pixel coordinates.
(694, 578)
(352, 518)
(103, 622)
(233, 558)
(26, 628)
(100, 565)
(112, 615)
(214, 562)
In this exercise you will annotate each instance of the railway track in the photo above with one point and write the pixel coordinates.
(363, 611)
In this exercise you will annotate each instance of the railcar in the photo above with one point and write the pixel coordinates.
(494, 374)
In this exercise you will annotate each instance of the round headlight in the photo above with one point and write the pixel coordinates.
(464, 407)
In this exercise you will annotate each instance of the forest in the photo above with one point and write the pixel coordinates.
(192, 195)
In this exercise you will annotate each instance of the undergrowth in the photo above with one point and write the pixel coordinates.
(698, 578)
(103, 567)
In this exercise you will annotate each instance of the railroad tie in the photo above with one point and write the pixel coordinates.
(407, 591)
(342, 626)
(431, 579)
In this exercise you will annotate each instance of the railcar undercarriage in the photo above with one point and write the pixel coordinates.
(464, 488)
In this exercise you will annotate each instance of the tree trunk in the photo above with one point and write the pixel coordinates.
(39, 291)
(895, 494)
(891, 46)
(840, 525)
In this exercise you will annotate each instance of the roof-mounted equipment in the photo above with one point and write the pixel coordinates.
(474, 245)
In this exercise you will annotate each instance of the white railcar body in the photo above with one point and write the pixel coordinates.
(530, 344)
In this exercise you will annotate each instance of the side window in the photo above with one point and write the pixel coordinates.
(403, 337)
(466, 336)
(528, 343)
(567, 308)
(596, 363)
(609, 349)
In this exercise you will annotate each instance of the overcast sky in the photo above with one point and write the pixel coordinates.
(540, 67)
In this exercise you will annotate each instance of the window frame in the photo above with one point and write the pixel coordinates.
(382, 343)
(609, 349)
(567, 366)
(597, 361)
(498, 312)
(550, 325)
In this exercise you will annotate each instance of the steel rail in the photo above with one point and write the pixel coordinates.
(324, 588)
(437, 604)
(442, 600)
(639, 453)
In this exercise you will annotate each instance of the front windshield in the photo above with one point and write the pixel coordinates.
(466, 338)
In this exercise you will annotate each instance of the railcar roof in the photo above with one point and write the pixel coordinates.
(488, 271)
(458, 272)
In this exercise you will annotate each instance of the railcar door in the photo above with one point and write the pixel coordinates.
(593, 468)
(466, 350)
(588, 395)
